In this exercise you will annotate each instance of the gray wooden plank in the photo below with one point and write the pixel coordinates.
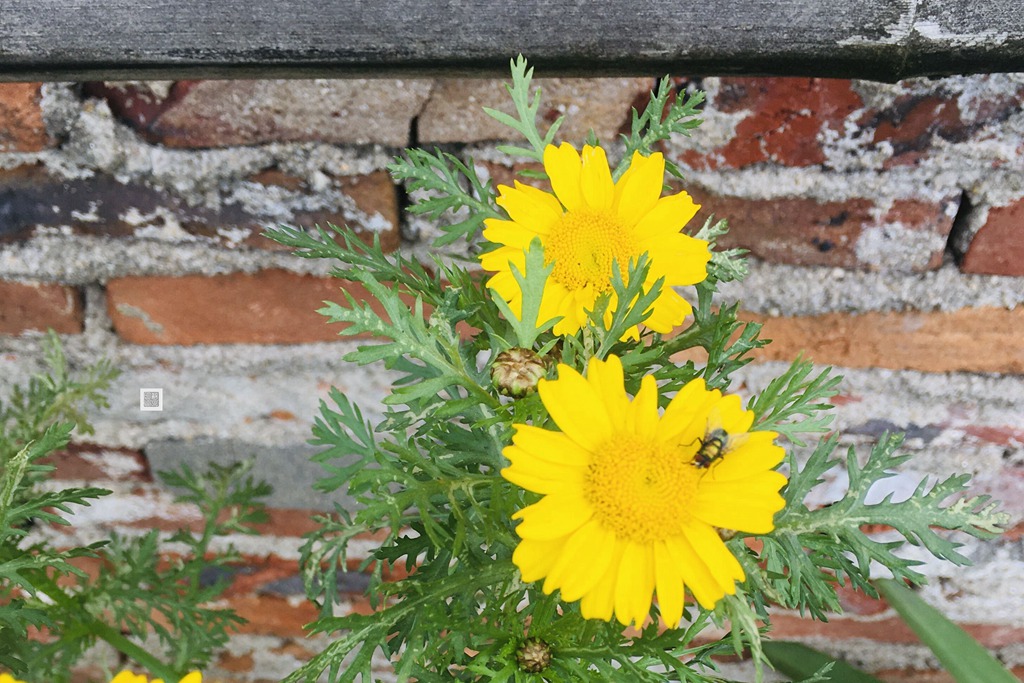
(137, 39)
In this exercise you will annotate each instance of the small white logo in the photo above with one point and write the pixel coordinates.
(151, 399)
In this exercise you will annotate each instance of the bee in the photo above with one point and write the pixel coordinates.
(712, 447)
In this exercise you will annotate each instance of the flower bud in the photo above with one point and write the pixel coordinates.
(533, 656)
(515, 372)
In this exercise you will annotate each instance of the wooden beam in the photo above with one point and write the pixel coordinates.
(175, 39)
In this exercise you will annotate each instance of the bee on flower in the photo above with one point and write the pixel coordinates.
(633, 499)
(587, 224)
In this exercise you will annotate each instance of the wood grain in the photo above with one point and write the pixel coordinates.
(150, 39)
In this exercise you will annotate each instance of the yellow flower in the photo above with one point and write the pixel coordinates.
(8, 678)
(129, 677)
(589, 223)
(632, 499)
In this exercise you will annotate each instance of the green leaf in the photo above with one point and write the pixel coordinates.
(962, 656)
(792, 395)
(531, 284)
(797, 660)
(527, 106)
(437, 181)
(655, 124)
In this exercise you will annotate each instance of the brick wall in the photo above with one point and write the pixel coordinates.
(887, 222)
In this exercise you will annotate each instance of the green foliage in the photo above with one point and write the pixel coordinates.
(795, 659)
(654, 124)
(45, 588)
(962, 656)
(527, 105)
(426, 482)
(813, 549)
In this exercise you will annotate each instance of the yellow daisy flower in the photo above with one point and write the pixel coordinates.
(632, 499)
(587, 224)
(8, 678)
(129, 677)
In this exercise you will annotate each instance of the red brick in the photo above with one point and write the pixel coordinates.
(226, 113)
(895, 630)
(998, 246)
(956, 341)
(240, 664)
(454, 112)
(102, 205)
(811, 233)
(36, 306)
(270, 615)
(919, 676)
(783, 122)
(21, 119)
(911, 124)
(268, 307)
(92, 463)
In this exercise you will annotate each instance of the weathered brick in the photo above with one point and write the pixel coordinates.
(268, 307)
(226, 113)
(89, 462)
(781, 121)
(32, 200)
(895, 630)
(21, 119)
(997, 248)
(967, 340)
(273, 615)
(454, 111)
(900, 235)
(37, 306)
(911, 124)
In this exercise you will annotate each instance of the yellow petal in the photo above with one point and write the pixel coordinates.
(552, 303)
(549, 446)
(670, 585)
(709, 546)
(635, 584)
(702, 583)
(639, 188)
(530, 207)
(642, 417)
(679, 258)
(734, 419)
(500, 258)
(596, 179)
(540, 475)
(607, 380)
(508, 233)
(669, 311)
(534, 558)
(193, 677)
(757, 453)
(668, 216)
(553, 516)
(685, 417)
(564, 167)
(747, 505)
(599, 603)
(576, 408)
(582, 561)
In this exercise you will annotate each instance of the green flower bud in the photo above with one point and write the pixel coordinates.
(533, 656)
(515, 372)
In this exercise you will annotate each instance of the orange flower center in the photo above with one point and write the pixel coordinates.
(640, 489)
(584, 244)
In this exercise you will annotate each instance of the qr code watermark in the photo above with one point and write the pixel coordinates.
(151, 399)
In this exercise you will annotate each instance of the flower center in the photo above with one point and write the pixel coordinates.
(583, 245)
(641, 490)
